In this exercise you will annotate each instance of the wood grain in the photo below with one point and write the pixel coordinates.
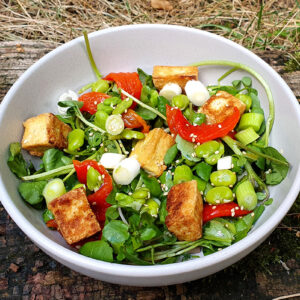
(26, 272)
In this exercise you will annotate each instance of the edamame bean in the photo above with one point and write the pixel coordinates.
(213, 159)
(54, 189)
(100, 119)
(151, 207)
(154, 98)
(187, 113)
(75, 139)
(218, 195)
(206, 149)
(129, 134)
(141, 193)
(223, 178)
(246, 99)
(112, 101)
(180, 101)
(106, 108)
(93, 179)
(246, 196)
(146, 91)
(122, 107)
(182, 174)
(100, 86)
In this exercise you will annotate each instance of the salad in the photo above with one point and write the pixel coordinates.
(152, 169)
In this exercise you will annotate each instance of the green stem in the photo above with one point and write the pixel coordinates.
(269, 124)
(144, 105)
(160, 245)
(89, 52)
(122, 147)
(281, 162)
(253, 177)
(86, 87)
(117, 146)
(55, 172)
(226, 74)
(69, 175)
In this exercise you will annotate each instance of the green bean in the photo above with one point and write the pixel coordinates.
(141, 193)
(223, 178)
(112, 101)
(122, 107)
(100, 86)
(246, 99)
(206, 149)
(53, 189)
(182, 174)
(75, 139)
(218, 195)
(105, 108)
(213, 159)
(100, 119)
(93, 179)
(180, 101)
(171, 155)
(246, 196)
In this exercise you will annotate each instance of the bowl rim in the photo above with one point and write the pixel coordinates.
(132, 271)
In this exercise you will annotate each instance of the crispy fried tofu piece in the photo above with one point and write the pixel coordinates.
(74, 216)
(185, 206)
(43, 132)
(221, 106)
(150, 151)
(168, 74)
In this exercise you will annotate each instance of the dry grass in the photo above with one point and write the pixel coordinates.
(276, 26)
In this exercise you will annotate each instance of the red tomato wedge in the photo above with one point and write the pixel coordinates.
(178, 124)
(91, 100)
(129, 82)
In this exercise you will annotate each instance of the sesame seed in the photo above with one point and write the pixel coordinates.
(244, 152)
(220, 126)
(230, 185)
(99, 177)
(88, 167)
(233, 195)
(166, 193)
(201, 192)
(218, 201)
(232, 166)
(158, 181)
(219, 249)
(130, 193)
(226, 105)
(193, 140)
(93, 149)
(101, 145)
(105, 149)
(193, 154)
(94, 203)
(214, 207)
(217, 152)
(237, 208)
(91, 134)
(242, 207)
(95, 102)
(187, 125)
(233, 214)
(212, 184)
(177, 161)
(198, 144)
(252, 215)
(125, 111)
(281, 151)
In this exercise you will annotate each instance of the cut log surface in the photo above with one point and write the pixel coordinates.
(28, 273)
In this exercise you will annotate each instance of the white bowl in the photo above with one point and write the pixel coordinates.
(124, 49)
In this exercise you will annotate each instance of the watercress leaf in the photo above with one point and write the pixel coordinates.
(135, 259)
(116, 232)
(111, 198)
(229, 89)
(256, 107)
(70, 103)
(31, 192)
(260, 196)
(100, 250)
(127, 201)
(161, 104)
(203, 170)
(236, 83)
(134, 221)
(145, 78)
(148, 233)
(247, 81)
(171, 155)
(112, 212)
(268, 202)
(145, 113)
(169, 260)
(214, 230)
(187, 149)
(151, 183)
(54, 158)
(278, 171)
(16, 161)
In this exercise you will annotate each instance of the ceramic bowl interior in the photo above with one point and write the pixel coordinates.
(125, 49)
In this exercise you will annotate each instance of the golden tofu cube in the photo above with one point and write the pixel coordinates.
(169, 74)
(43, 132)
(74, 216)
(185, 208)
(150, 151)
(221, 106)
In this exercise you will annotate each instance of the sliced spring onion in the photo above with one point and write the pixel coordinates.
(246, 196)
(54, 189)
(253, 120)
(114, 124)
(247, 136)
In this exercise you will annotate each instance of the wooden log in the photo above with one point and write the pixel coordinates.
(27, 273)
